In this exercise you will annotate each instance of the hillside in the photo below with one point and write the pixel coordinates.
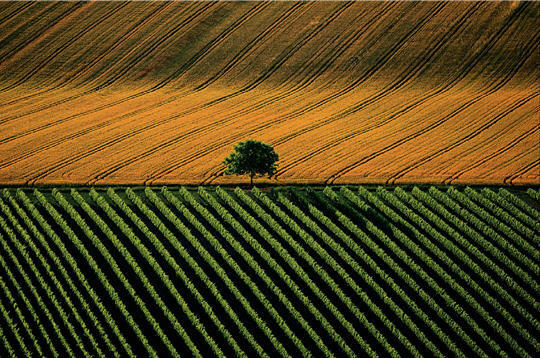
(339, 272)
(379, 92)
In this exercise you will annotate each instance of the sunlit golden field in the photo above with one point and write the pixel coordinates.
(376, 92)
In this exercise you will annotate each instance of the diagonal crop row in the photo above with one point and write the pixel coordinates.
(417, 220)
(23, 321)
(410, 262)
(466, 259)
(429, 199)
(180, 272)
(13, 329)
(225, 215)
(154, 264)
(421, 254)
(210, 260)
(353, 245)
(321, 272)
(110, 259)
(43, 284)
(74, 268)
(345, 238)
(241, 273)
(535, 194)
(513, 228)
(300, 215)
(93, 264)
(30, 242)
(514, 210)
(490, 224)
(484, 229)
(297, 269)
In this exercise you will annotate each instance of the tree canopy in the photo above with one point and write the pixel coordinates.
(252, 158)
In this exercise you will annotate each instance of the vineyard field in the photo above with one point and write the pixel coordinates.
(334, 271)
(137, 93)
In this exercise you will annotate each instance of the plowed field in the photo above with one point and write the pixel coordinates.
(384, 92)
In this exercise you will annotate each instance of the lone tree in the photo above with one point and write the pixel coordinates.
(252, 157)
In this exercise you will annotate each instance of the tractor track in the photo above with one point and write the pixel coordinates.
(469, 66)
(497, 153)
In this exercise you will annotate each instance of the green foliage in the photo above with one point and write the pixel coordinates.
(281, 272)
(252, 158)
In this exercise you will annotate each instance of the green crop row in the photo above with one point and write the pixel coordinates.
(285, 272)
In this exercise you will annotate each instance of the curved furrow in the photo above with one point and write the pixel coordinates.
(11, 16)
(69, 137)
(252, 45)
(396, 115)
(155, 124)
(405, 77)
(512, 108)
(528, 52)
(26, 25)
(298, 87)
(373, 69)
(38, 33)
(130, 33)
(321, 67)
(500, 133)
(62, 47)
(18, 9)
(509, 179)
(497, 167)
(196, 59)
(462, 140)
(210, 46)
(287, 54)
(110, 81)
(495, 154)
(168, 100)
(106, 123)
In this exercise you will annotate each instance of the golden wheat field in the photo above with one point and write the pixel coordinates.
(374, 92)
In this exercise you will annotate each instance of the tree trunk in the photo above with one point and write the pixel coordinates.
(251, 177)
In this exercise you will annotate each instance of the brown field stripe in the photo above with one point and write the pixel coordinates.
(50, 145)
(90, 111)
(462, 140)
(288, 52)
(221, 145)
(487, 125)
(253, 44)
(236, 115)
(381, 62)
(491, 137)
(357, 107)
(130, 33)
(38, 32)
(65, 45)
(7, 139)
(509, 179)
(12, 15)
(142, 93)
(497, 153)
(68, 12)
(113, 141)
(475, 60)
(207, 127)
(406, 74)
(308, 79)
(210, 127)
(101, 86)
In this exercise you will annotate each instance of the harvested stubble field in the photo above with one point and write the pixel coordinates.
(112, 93)
(289, 272)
